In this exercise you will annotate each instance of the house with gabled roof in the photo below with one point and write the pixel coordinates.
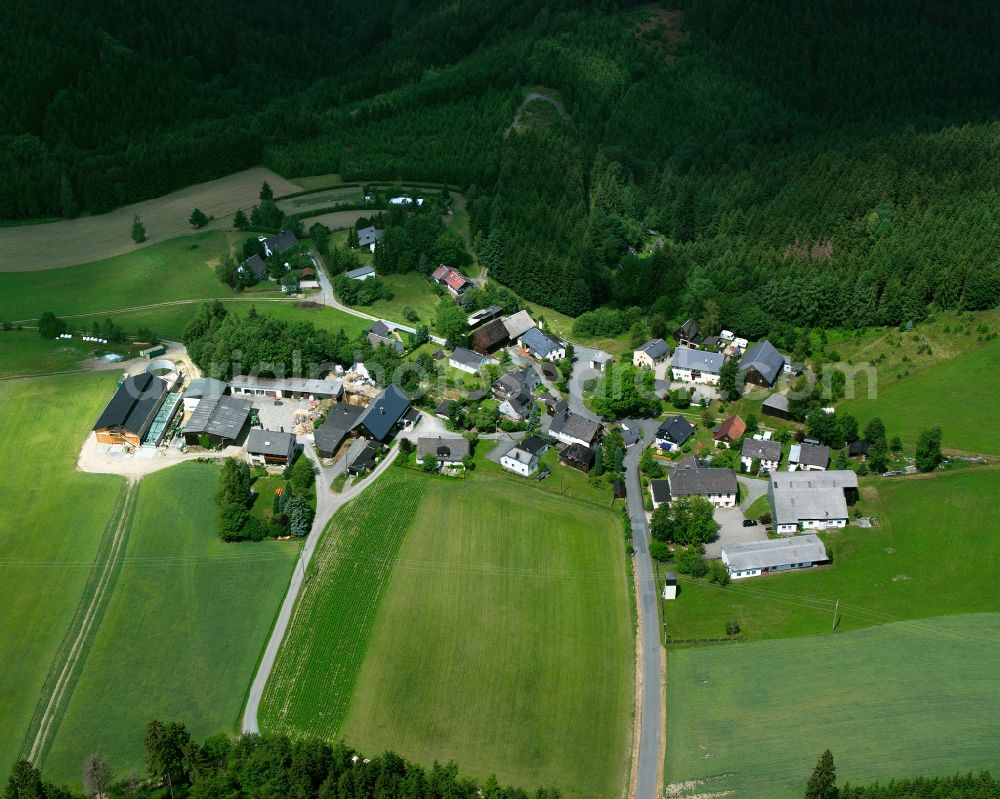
(541, 345)
(718, 486)
(447, 450)
(369, 236)
(732, 429)
(673, 433)
(688, 334)
(762, 364)
(384, 415)
(468, 361)
(777, 406)
(489, 337)
(270, 447)
(279, 243)
(777, 555)
(811, 500)
(223, 420)
(453, 280)
(651, 354)
(808, 457)
(340, 420)
(697, 366)
(361, 273)
(253, 267)
(518, 324)
(130, 412)
(766, 451)
(523, 457)
(572, 428)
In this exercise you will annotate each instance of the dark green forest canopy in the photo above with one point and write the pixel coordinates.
(771, 164)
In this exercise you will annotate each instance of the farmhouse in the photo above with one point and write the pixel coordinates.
(515, 392)
(777, 406)
(572, 428)
(517, 325)
(811, 500)
(362, 456)
(453, 280)
(469, 361)
(673, 432)
(280, 388)
(767, 557)
(651, 354)
(129, 414)
(201, 388)
(762, 364)
(484, 315)
(489, 337)
(361, 273)
(254, 267)
(279, 243)
(448, 451)
(270, 448)
(718, 486)
(808, 457)
(688, 334)
(599, 360)
(697, 366)
(340, 420)
(385, 415)
(579, 457)
(369, 236)
(729, 432)
(768, 452)
(541, 345)
(223, 420)
(523, 458)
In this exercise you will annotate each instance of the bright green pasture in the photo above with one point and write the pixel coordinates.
(935, 553)
(504, 641)
(905, 699)
(52, 521)
(958, 395)
(409, 289)
(181, 268)
(186, 625)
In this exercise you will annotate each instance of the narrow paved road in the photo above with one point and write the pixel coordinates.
(327, 504)
(651, 703)
(330, 299)
(753, 489)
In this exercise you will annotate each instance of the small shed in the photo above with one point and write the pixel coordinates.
(619, 489)
(670, 585)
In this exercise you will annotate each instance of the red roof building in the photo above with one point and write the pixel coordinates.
(451, 279)
(731, 430)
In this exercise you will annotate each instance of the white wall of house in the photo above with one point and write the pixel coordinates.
(655, 503)
(721, 500)
(771, 466)
(642, 360)
(366, 275)
(666, 446)
(568, 439)
(739, 575)
(822, 524)
(462, 366)
(518, 467)
(692, 376)
(801, 467)
(784, 529)
(554, 355)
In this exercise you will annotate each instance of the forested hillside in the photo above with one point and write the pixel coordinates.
(762, 166)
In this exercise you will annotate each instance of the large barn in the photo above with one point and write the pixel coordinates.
(130, 412)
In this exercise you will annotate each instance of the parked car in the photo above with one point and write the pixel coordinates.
(750, 522)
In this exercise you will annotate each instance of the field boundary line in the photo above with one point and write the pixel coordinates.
(165, 304)
(64, 671)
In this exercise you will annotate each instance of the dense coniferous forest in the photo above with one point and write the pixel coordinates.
(763, 167)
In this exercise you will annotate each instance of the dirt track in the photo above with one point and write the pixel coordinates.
(28, 248)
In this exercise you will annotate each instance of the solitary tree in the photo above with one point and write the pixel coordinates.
(240, 221)
(266, 192)
(138, 230)
(97, 776)
(198, 218)
(729, 381)
(928, 454)
(50, 325)
(823, 782)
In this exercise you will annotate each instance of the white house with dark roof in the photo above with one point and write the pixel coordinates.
(775, 555)
(369, 236)
(697, 366)
(361, 273)
(468, 361)
(767, 451)
(718, 486)
(270, 448)
(541, 345)
(673, 432)
(651, 354)
(447, 450)
(523, 457)
(808, 457)
(572, 428)
(279, 243)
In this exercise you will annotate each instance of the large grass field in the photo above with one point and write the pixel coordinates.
(52, 523)
(905, 699)
(935, 553)
(959, 395)
(502, 639)
(411, 290)
(183, 632)
(25, 352)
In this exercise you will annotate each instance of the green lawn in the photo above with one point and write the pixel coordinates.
(25, 352)
(409, 289)
(183, 632)
(52, 523)
(959, 395)
(929, 557)
(906, 699)
(500, 636)
(178, 269)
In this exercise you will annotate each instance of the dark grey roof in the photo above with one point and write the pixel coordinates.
(676, 429)
(281, 242)
(813, 455)
(255, 266)
(376, 341)
(364, 459)
(269, 442)
(534, 444)
(205, 387)
(384, 412)
(765, 450)
(469, 358)
(539, 342)
(687, 482)
(765, 358)
(778, 402)
(661, 490)
(859, 447)
(655, 348)
(220, 416)
(134, 404)
(689, 331)
(579, 453)
(380, 328)
(630, 435)
(522, 402)
(451, 448)
(477, 395)
(571, 424)
(340, 420)
(361, 271)
(699, 360)
(485, 314)
(489, 335)
(369, 235)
